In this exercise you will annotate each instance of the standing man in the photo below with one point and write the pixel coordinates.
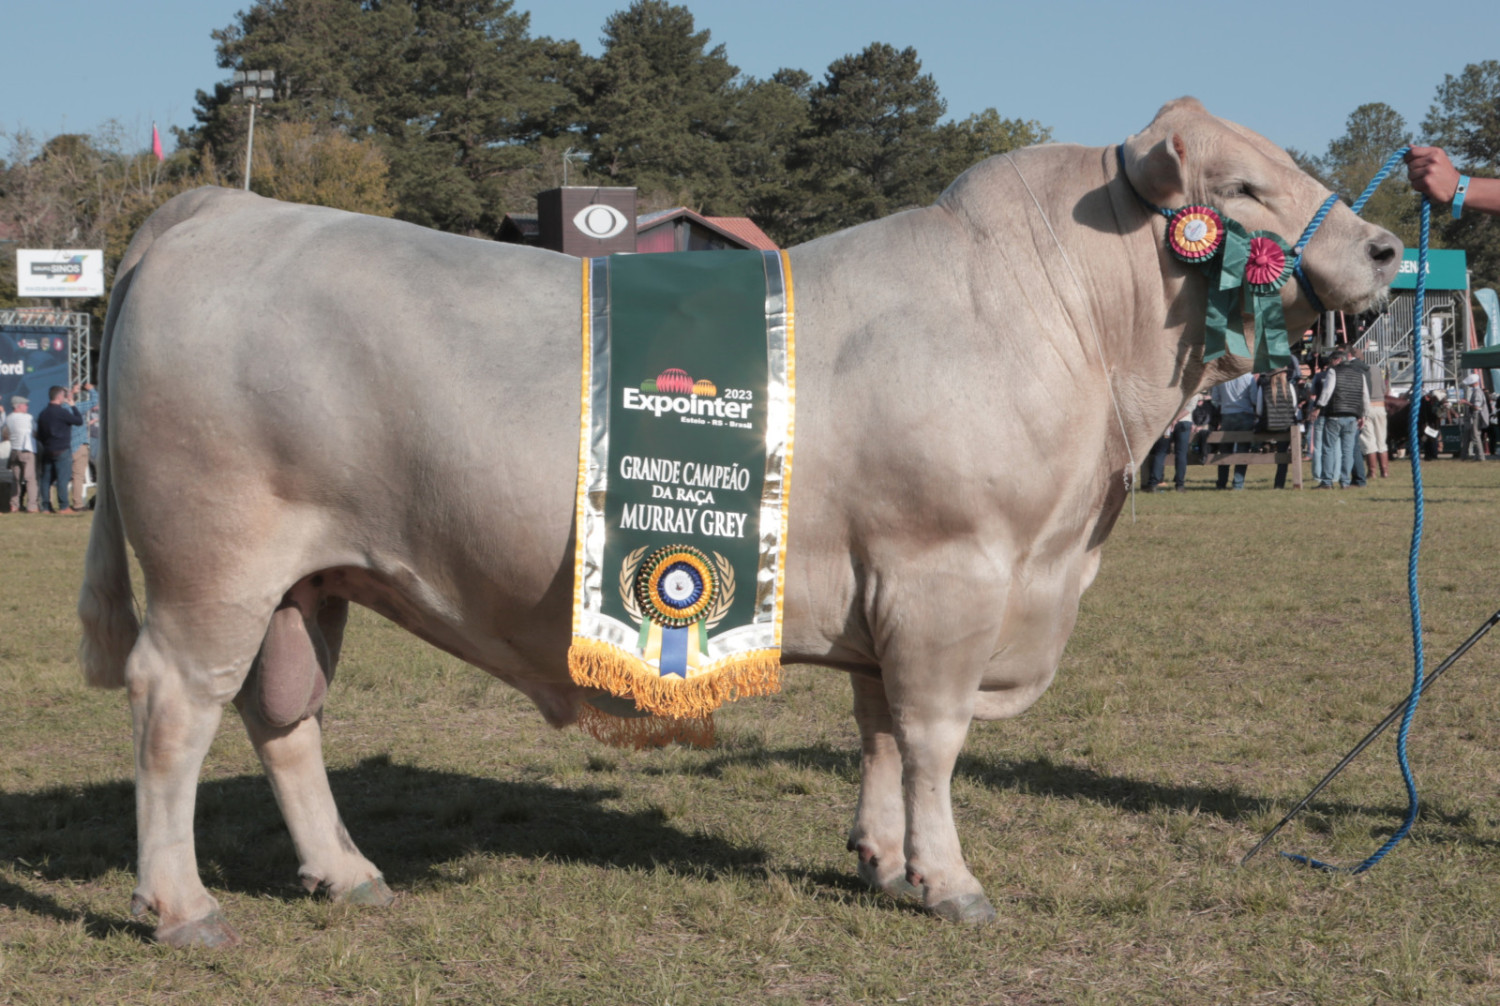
(87, 404)
(19, 429)
(1373, 433)
(54, 438)
(1315, 423)
(1476, 419)
(1236, 401)
(1178, 435)
(1343, 403)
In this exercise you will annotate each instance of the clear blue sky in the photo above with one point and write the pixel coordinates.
(1094, 71)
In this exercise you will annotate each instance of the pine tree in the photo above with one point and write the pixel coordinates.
(657, 116)
(874, 146)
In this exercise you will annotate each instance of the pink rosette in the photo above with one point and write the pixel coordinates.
(1266, 266)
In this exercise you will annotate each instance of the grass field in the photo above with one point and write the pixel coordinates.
(1234, 646)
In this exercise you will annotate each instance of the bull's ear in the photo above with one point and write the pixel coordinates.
(1160, 173)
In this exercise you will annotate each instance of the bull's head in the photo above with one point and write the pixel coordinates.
(1188, 156)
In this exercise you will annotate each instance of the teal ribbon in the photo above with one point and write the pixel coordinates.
(1271, 349)
(1226, 280)
(1223, 322)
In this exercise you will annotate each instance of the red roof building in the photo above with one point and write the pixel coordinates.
(557, 226)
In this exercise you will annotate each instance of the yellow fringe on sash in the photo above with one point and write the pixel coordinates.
(642, 732)
(596, 664)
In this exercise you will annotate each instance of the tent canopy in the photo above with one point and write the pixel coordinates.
(1484, 358)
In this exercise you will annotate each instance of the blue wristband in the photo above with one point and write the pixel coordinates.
(1458, 196)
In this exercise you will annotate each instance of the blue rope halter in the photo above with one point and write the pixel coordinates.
(1414, 553)
(1413, 425)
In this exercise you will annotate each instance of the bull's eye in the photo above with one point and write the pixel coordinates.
(1239, 190)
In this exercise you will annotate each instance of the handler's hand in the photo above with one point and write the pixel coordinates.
(1431, 173)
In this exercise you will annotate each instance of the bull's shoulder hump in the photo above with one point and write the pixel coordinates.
(204, 201)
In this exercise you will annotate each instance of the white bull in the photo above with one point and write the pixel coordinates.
(388, 415)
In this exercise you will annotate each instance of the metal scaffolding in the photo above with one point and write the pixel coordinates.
(1447, 328)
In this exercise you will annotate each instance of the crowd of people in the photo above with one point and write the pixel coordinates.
(50, 450)
(1350, 421)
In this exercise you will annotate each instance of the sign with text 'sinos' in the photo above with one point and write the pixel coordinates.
(685, 458)
(68, 272)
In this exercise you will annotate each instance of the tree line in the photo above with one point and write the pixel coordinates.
(450, 114)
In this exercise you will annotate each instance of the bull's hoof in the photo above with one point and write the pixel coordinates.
(373, 893)
(966, 909)
(889, 882)
(902, 888)
(210, 931)
(896, 886)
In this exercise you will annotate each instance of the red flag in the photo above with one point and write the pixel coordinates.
(156, 144)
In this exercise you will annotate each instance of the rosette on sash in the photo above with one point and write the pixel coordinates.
(674, 588)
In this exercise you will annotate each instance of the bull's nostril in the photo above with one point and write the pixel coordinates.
(1382, 252)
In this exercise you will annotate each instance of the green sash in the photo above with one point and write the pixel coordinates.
(685, 453)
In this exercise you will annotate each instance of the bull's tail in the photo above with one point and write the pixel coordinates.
(106, 602)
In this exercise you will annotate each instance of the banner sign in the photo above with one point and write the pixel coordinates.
(32, 360)
(71, 272)
(1447, 269)
(685, 458)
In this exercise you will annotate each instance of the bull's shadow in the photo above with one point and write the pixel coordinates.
(409, 821)
(1043, 777)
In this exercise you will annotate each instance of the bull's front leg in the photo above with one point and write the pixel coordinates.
(879, 831)
(930, 736)
(934, 639)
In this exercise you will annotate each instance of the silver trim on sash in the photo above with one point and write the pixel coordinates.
(597, 480)
(778, 412)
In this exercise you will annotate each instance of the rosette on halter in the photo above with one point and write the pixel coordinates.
(1255, 264)
(1267, 269)
(1195, 233)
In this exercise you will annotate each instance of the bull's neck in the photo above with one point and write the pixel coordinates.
(1125, 296)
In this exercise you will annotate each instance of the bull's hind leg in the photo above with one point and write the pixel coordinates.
(177, 693)
(879, 832)
(298, 659)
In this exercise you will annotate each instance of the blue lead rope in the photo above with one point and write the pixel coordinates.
(1413, 425)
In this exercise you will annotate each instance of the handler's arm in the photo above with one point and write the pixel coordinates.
(1433, 175)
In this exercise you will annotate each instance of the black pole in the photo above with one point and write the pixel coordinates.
(1395, 714)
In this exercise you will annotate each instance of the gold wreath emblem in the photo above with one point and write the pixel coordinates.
(716, 612)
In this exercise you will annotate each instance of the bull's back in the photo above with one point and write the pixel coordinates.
(345, 389)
